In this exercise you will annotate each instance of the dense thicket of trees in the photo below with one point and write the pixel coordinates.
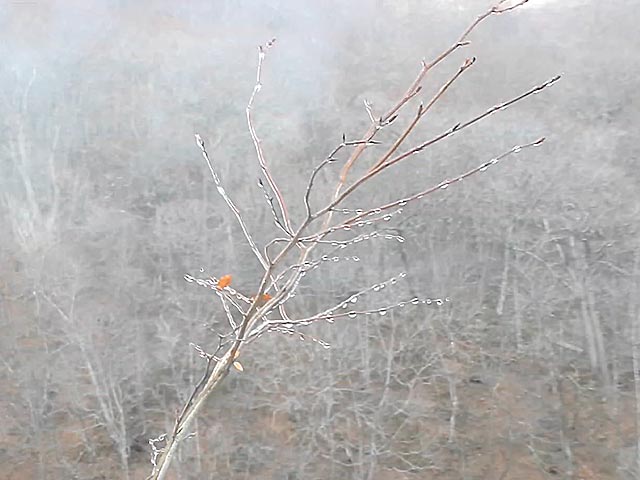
(531, 371)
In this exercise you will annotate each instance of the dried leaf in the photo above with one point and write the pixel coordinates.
(264, 298)
(224, 281)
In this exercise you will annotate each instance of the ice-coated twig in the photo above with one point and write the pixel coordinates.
(456, 128)
(291, 326)
(274, 213)
(225, 306)
(440, 186)
(257, 142)
(461, 126)
(422, 111)
(155, 452)
(369, 109)
(348, 225)
(416, 85)
(330, 159)
(328, 313)
(229, 202)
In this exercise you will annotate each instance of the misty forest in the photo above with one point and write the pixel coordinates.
(291, 240)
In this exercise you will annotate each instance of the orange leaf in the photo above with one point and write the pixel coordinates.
(224, 281)
(263, 299)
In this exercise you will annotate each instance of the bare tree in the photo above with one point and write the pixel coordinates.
(324, 234)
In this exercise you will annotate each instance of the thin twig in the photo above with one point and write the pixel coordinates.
(422, 112)
(257, 142)
(416, 85)
(456, 128)
(229, 202)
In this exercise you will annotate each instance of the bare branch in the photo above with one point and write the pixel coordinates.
(257, 142)
(456, 128)
(249, 317)
(416, 85)
(422, 110)
(232, 206)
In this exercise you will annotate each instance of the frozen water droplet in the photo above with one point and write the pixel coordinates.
(334, 244)
(353, 299)
(438, 302)
(428, 301)
(517, 149)
(324, 257)
(402, 204)
(402, 304)
(335, 259)
(359, 211)
(484, 168)
(400, 239)
(352, 314)
(402, 274)
(394, 281)
(355, 259)
(444, 186)
(360, 224)
(447, 299)
(347, 227)
(344, 305)
(376, 288)
(415, 300)
(201, 269)
(382, 311)
(386, 218)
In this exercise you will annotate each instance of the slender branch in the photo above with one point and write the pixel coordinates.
(269, 200)
(416, 85)
(230, 203)
(461, 126)
(257, 142)
(329, 159)
(440, 186)
(422, 111)
(456, 128)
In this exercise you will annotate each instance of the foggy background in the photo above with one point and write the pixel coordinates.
(531, 371)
